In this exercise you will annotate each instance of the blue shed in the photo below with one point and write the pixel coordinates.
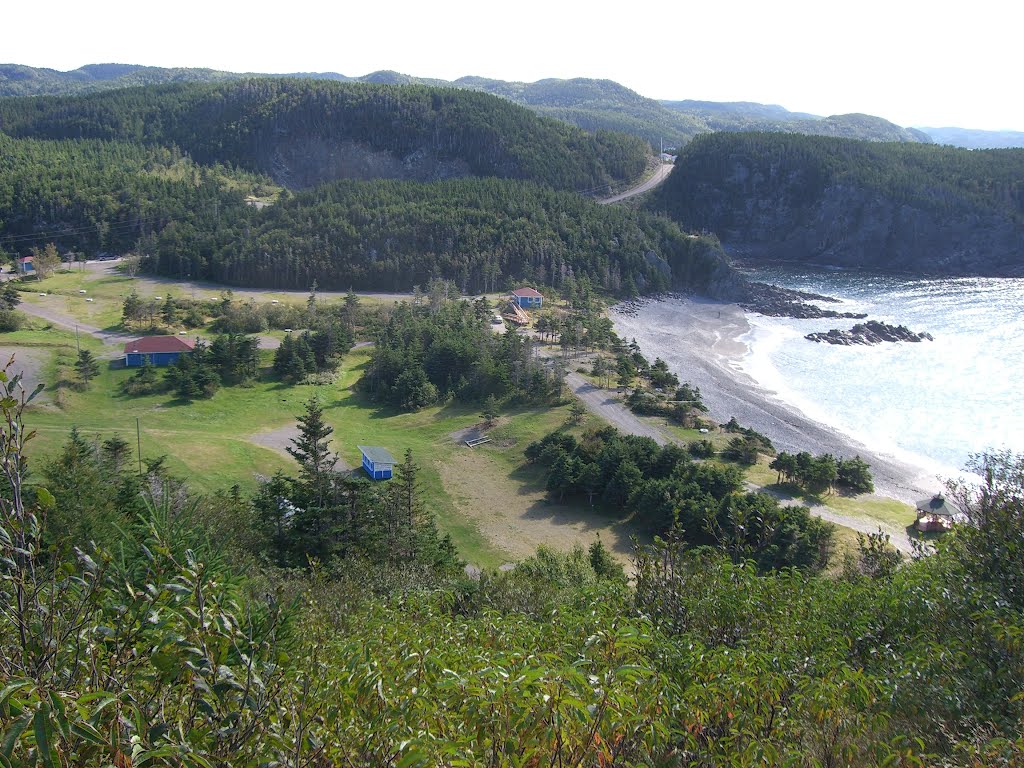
(378, 462)
(527, 298)
(161, 350)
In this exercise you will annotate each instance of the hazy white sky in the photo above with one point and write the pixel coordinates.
(911, 62)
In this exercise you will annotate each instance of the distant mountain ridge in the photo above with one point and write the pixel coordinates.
(587, 103)
(750, 116)
(973, 138)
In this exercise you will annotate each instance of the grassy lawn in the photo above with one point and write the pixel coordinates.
(880, 508)
(209, 443)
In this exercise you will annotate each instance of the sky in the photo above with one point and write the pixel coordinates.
(914, 63)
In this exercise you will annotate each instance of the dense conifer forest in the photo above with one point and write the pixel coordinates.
(303, 132)
(480, 233)
(93, 196)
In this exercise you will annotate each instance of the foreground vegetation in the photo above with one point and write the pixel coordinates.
(171, 636)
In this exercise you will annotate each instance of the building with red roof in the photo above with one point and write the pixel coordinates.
(527, 298)
(160, 350)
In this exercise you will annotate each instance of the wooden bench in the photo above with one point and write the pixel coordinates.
(478, 441)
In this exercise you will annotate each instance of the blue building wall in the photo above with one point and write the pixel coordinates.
(376, 474)
(529, 302)
(135, 359)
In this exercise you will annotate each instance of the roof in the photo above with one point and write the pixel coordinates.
(526, 293)
(376, 454)
(936, 505)
(148, 345)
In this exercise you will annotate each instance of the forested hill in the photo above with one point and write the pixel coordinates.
(303, 132)
(597, 104)
(910, 207)
(744, 116)
(485, 234)
(91, 196)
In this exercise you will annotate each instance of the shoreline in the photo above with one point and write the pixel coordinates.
(702, 341)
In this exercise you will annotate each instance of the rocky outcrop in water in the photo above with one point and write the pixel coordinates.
(871, 332)
(774, 301)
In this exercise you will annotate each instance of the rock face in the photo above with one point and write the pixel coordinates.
(871, 332)
(911, 208)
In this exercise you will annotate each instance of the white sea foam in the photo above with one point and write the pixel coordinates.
(932, 404)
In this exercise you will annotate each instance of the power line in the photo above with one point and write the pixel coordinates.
(83, 229)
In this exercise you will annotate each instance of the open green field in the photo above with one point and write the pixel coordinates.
(868, 506)
(212, 443)
(494, 507)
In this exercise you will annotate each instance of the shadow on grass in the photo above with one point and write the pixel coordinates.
(925, 537)
(792, 492)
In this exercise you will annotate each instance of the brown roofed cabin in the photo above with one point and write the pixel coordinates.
(934, 514)
(527, 298)
(160, 350)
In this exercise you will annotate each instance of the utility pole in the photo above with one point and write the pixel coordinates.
(138, 439)
(78, 344)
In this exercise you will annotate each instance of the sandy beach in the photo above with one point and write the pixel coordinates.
(701, 340)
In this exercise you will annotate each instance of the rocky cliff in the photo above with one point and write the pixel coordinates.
(912, 208)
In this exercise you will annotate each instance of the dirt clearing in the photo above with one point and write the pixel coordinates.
(31, 364)
(518, 519)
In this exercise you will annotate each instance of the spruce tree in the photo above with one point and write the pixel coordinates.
(311, 450)
(86, 367)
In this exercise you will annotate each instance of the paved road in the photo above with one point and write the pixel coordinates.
(659, 176)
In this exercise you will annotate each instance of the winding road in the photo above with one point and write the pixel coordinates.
(660, 174)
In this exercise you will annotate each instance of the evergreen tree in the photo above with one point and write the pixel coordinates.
(117, 453)
(10, 297)
(312, 452)
(132, 309)
(490, 411)
(86, 367)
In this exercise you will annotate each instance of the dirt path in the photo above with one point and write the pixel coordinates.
(897, 537)
(601, 402)
(110, 338)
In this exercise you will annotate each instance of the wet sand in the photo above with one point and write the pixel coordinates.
(701, 340)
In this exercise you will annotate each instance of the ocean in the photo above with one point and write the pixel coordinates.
(932, 403)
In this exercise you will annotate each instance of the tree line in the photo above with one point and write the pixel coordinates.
(664, 490)
(484, 234)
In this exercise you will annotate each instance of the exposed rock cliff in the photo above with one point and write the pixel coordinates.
(914, 208)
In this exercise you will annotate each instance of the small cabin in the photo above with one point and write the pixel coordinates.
(26, 265)
(160, 350)
(527, 298)
(378, 462)
(934, 514)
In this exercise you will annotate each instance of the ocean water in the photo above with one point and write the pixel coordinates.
(933, 403)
